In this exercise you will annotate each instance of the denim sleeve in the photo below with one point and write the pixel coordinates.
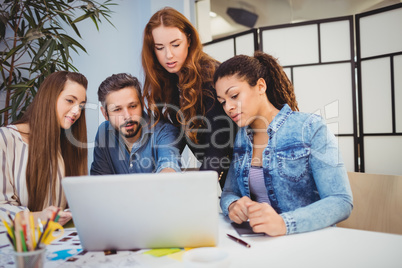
(231, 190)
(166, 145)
(101, 164)
(331, 179)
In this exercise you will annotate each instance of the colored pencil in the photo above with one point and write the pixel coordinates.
(11, 219)
(9, 230)
(32, 229)
(18, 228)
(11, 241)
(24, 246)
(41, 235)
(56, 214)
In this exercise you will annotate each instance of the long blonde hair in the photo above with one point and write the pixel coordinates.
(160, 85)
(47, 139)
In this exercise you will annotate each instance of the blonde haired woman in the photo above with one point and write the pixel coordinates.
(45, 145)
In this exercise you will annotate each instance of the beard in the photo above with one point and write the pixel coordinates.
(130, 132)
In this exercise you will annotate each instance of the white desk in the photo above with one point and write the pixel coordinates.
(330, 247)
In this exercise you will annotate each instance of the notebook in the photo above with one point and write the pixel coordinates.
(158, 210)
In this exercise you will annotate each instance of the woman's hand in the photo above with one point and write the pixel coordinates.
(48, 213)
(238, 210)
(264, 219)
(64, 217)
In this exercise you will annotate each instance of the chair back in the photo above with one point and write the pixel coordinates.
(377, 203)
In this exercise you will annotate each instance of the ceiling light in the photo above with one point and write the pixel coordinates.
(212, 14)
(242, 16)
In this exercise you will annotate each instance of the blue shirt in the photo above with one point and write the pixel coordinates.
(305, 177)
(155, 150)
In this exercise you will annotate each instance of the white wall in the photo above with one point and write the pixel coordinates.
(117, 49)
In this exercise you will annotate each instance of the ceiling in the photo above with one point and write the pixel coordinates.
(276, 12)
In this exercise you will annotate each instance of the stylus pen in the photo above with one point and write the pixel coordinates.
(239, 240)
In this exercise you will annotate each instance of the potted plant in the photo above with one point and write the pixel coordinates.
(34, 43)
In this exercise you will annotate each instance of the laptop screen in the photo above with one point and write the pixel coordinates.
(157, 210)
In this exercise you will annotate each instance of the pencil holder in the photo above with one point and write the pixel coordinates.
(30, 259)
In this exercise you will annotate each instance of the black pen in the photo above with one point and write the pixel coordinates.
(238, 240)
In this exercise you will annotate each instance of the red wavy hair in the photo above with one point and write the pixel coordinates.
(160, 85)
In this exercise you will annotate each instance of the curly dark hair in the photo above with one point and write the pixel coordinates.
(279, 88)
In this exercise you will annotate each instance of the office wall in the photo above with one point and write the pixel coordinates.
(319, 58)
(379, 54)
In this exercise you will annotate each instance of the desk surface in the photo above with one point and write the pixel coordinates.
(330, 247)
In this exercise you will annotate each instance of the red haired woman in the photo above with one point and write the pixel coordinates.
(178, 88)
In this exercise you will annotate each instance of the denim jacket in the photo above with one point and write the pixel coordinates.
(305, 177)
(155, 150)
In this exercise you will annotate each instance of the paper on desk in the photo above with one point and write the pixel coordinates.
(178, 256)
(159, 252)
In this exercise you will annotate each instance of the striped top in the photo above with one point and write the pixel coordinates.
(258, 190)
(13, 163)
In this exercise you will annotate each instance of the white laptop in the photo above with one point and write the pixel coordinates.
(125, 212)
